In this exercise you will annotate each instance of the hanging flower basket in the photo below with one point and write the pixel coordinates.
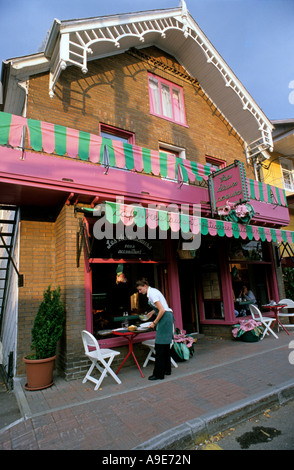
(248, 331)
(240, 213)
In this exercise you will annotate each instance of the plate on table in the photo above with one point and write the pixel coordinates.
(144, 326)
(104, 332)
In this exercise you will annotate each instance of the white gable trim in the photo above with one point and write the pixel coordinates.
(75, 42)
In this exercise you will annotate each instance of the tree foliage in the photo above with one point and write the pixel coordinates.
(48, 324)
(288, 275)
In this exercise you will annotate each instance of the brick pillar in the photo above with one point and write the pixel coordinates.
(48, 256)
(71, 280)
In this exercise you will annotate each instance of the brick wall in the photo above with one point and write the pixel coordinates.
(38, 266)
(115, 92)
(48, 256)
(71, 280)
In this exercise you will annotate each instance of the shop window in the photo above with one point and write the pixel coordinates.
(247, 251)
(166, 99)
(114, 292)
(115, 299)
(249, 265)
(214, 163)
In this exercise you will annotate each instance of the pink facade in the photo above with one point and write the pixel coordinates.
(25, 175)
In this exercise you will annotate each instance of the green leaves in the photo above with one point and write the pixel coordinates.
(48, 324)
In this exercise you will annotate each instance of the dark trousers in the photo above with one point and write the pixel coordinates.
(162, 360)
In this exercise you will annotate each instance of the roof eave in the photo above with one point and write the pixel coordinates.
(173, 30)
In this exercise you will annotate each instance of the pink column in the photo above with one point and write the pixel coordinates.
(226, 282)
(173, 283)
(274, 290)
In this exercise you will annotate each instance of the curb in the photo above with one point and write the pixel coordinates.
(184, 436)
(21, 400)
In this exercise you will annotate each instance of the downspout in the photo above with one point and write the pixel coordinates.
(256, 169)
(25, 87)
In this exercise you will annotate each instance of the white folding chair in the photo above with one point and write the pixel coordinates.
(266, 321)
(284, 313)
(150, 343)
(98, 355)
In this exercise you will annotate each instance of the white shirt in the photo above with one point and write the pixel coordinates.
(154, 295)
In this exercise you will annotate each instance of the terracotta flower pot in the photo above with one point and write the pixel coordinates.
(39, 373)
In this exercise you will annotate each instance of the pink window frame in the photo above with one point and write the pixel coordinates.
(173, 287)
(171, 86)
(130, 136)
(215, 161)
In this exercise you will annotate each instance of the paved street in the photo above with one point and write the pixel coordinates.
(271, 430)
(224, 381)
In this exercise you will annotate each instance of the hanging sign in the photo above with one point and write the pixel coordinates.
(228, 185)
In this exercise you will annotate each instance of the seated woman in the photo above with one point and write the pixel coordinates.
(247, 295)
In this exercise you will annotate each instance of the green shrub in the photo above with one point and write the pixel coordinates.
(48, 324)
(288, 275)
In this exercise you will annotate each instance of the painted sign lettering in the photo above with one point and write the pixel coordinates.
(228, 184)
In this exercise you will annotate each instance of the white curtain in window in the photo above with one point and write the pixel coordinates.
(154, 96)
(178, 108)
(166, 101)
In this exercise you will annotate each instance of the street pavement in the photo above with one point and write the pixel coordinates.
(225, 382)
(273, 429)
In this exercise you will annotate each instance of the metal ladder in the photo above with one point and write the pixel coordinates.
(7, 240)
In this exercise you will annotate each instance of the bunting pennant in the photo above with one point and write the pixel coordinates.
(64, 141)
(175, 221)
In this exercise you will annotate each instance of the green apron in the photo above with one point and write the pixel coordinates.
(164, 328)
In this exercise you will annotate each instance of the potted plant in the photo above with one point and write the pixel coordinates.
(46, 331)
(248, 331)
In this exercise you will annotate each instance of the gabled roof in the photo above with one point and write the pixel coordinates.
(75, 42)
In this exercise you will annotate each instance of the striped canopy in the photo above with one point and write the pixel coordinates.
(64, 141)
(176, 222)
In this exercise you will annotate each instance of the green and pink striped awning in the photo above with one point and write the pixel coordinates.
(64, 141)
(175, 221)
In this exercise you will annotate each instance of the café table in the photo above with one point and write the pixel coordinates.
(242, 305)
(129, 335)
(275, 308)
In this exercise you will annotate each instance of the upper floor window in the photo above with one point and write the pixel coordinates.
(215, 163)
(166, 99)
(176, 152)
(114, 133)
(288, 173)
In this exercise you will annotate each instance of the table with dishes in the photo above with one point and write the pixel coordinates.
(274, 307)
(130, 333)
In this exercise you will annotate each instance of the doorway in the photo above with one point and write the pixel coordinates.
(187, 278)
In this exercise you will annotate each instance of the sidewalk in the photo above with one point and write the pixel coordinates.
(223, 382)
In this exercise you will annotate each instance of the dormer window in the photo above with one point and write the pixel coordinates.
(166, 99)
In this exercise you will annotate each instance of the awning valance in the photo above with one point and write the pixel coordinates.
(64, 141)
(153, 218)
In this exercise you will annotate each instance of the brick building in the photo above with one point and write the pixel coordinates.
(137, 110)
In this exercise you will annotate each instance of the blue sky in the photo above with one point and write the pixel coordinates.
(254, 37)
